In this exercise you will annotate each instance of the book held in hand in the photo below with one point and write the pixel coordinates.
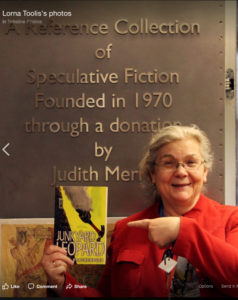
(80, 222)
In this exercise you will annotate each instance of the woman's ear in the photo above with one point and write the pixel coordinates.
(205, 175)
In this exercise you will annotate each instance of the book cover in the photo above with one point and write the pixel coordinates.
(80, 222)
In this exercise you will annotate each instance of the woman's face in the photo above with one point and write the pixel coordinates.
(178, 186)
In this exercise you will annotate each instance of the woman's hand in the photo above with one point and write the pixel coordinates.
(54, 263)
(161, 231)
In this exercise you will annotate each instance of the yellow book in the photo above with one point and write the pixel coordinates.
(80, 222)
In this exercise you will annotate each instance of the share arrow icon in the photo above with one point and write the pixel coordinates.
(4, 149)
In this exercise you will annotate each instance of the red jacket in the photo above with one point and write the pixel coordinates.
(208, 238)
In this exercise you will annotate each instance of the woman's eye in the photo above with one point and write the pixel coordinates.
(191, 163)
(168, 163)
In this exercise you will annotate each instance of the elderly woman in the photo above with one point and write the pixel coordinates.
(185, 244)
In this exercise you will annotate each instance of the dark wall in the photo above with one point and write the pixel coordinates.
(188, 66)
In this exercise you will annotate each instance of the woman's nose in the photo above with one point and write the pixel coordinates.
(181, 170)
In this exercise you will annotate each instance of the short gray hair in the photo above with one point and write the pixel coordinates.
(165, 136)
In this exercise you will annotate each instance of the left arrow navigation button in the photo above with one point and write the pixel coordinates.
(4, 149)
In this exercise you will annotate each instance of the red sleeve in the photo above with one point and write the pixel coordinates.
(217, 259)
(104, 284)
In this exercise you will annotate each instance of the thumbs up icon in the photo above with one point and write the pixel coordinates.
(5, 286)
